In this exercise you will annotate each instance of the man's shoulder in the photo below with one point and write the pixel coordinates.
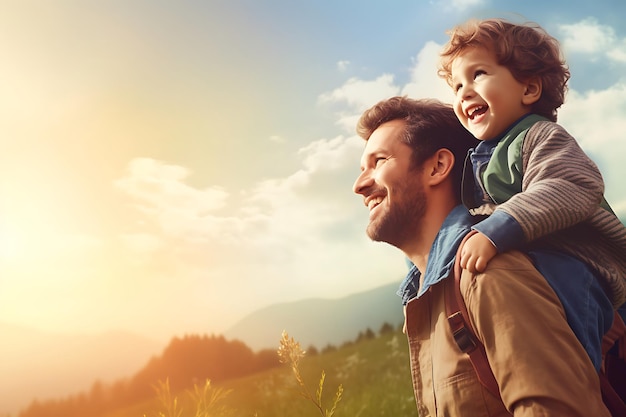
(500, 270)
(513, 259)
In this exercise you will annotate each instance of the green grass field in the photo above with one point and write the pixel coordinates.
(374, 374)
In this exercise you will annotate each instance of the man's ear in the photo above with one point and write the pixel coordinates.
(441, 166)
(533, 91)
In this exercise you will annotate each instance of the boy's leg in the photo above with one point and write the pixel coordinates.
(587, 307)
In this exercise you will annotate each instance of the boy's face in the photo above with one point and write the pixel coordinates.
(488, 99)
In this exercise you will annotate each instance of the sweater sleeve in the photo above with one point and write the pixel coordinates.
(502, 230)
(561, 185)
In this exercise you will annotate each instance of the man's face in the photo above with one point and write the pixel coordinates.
(391, 189)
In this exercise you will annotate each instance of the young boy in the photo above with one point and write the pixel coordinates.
(529, 175)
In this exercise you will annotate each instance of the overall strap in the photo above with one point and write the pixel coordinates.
(616, 334)
(612, 375)
(458, 318)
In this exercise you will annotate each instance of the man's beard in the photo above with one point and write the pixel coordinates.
(399, 223)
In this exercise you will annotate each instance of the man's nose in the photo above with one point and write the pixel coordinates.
(363, 181)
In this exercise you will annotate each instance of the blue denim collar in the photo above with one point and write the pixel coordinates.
(442, 254)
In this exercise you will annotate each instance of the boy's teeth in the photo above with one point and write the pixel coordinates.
(475, 111)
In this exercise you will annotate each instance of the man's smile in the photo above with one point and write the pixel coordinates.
(373, 201)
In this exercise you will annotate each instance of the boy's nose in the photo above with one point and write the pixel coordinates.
(465, 92)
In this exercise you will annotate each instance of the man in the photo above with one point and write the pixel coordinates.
(410, 175)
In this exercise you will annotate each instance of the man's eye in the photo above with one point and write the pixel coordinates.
(379, 160)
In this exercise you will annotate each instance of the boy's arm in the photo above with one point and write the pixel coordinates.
(561, 187)
(477, 252)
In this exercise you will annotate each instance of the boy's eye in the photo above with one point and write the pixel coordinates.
(457, 87)
(478, 73)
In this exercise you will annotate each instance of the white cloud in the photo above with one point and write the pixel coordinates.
(587, 36)
(159, 189)
(590, 37)
(162, 185)
(618, 51)
(359, 95)
(314, 197)
(326, 154)
(425, 83)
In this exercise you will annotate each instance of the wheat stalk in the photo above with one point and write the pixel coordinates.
(291, 353)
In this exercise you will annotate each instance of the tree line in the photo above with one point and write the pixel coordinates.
(185, 361)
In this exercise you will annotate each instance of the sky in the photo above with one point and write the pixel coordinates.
(170, 167)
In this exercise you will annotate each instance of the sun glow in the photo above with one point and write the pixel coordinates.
(11, 246)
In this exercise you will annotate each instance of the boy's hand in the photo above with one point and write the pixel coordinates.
(477, 252)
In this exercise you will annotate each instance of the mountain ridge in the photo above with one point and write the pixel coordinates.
(320, 321)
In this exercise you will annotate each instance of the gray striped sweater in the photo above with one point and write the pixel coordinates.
(561, 204)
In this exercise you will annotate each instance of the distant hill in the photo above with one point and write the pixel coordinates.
(320, 322)
(48, 365)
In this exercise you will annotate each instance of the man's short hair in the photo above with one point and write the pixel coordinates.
(430, 126)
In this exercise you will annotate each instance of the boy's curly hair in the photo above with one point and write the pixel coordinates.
(526, 50)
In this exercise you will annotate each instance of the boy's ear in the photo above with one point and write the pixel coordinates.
(533, 91)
